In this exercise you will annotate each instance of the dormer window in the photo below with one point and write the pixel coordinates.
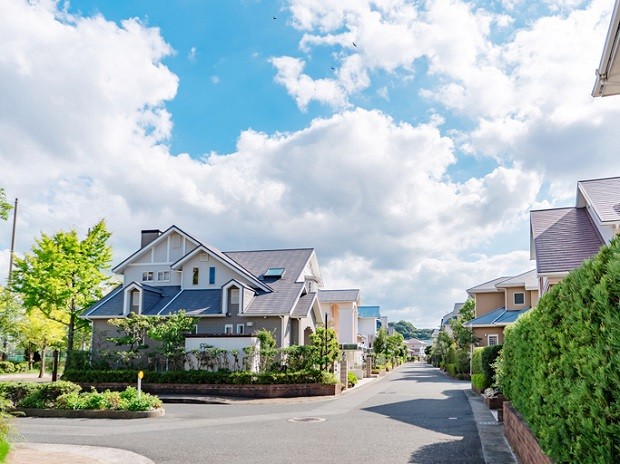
(233, 300)
(134, 305)
(519, 298)
(311, 286)
(148, 276)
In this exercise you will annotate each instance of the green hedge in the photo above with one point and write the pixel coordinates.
(195, 376)
(35, 395)
(480, 381)
(476, 360)
(488, 357)
(562, 364)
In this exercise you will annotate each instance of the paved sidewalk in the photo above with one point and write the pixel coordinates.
(30, 453)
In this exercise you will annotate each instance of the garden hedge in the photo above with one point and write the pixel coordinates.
(196, 376)
(562, 364)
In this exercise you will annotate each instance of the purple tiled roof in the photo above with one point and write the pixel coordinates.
(563, 238)
(304, 304)
(604, 197)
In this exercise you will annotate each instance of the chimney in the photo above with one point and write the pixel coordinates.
(148, 236)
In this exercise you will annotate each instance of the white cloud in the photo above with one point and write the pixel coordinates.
(215, 79)
(191, 56)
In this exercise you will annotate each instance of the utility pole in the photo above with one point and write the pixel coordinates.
(12, 241)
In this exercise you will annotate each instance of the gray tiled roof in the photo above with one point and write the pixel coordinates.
(563, 238)
(196, 303)
(110, 305)
(528, 279)
(285, 289)
(452, 314)
(304, 305)
(487, 287)
(335, 296)
(604, 196)
(166, 295)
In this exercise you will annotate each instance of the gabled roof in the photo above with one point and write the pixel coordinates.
(338, 296)
(608, 73)
(487, 287)
(452, 314)
(110, 305)
(286, 290)
(604, 197)
(304, 305)
(528, 279)
(563, 238)
(369, 311)
(497, 317)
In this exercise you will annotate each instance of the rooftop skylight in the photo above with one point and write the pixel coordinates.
(274, 272)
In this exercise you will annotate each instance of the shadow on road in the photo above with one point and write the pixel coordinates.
(450, 416)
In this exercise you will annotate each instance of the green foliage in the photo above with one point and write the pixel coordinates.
(351, 379)
(127, 400)
(62, 275)
(562, 368)
(409, 331)
(476, 360)
(171, 331)
(5, 206)
(325, 345)
(195, 376)
(451, 369)
(268, 350)
(480, 381)
(468, 310)
(35, 395)
(11, 312)
(80, 359)
(301, 357)
(489, 355)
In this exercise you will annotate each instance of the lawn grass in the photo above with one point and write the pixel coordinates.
(4, 449)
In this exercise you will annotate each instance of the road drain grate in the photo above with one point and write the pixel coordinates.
(307, 419)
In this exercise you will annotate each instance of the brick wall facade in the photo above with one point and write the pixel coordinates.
(243, 391)
(521, 438)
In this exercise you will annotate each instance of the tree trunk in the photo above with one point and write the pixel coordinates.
(42, 369)
(70, 333)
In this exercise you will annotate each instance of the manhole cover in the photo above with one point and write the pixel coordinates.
(307, 419)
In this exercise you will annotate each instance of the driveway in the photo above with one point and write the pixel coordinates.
(414, 415)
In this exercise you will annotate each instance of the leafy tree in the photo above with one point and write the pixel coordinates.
(39, 332)
(380, 342)
(394, 347)
(171, 331)
(268, 349)
(326, 347)
(134, 328)
(5, 206)
(409, 331)
(11, 311)
(63, 276)
(468, 310)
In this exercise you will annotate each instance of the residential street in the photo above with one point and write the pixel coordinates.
(414, 415)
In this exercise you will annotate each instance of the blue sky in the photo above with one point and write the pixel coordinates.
(411, 166)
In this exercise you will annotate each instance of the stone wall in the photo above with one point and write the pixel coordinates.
(521, 438)
(243, 391)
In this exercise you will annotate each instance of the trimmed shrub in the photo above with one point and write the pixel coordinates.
(451, 370)
(480, 381)
(7, 367)
(489, 355)
(562, 368)
(351, 379)
(195, 376)
(476, 360)
(462, 362)
(127, 400)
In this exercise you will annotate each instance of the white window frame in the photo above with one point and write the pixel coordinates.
(228, 329)
(163, 273)
(148, 276)
(494, 337)
(240, 329)
(514, 298)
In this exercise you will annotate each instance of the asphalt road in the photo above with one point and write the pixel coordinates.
(414, 415)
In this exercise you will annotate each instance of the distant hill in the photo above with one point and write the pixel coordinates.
(408, 330)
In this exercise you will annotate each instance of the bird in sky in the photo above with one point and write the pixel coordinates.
(275, 17)
(354, 44)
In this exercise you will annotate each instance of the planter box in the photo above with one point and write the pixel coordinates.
(521, 438)
(240, 391)
(91, 413)
(495, 402)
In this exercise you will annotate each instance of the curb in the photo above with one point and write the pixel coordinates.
(28, 453)
(91, 413)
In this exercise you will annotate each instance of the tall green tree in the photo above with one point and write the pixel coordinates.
(36, 332)
(171, 332)
(468, 310)
(11, 312)
(5, 206)
(63, 275)
(325, 343)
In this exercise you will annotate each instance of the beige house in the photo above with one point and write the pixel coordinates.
(499, 303)
(341, 307)
(562, 238)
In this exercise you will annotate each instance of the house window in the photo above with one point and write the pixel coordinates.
(135, 301)
(493, 340)
(519, 298)
(195, 276)
(228, 329)
(240, 329)
(163, 276)
(147, 276)
(211, 275)
(233, 300)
